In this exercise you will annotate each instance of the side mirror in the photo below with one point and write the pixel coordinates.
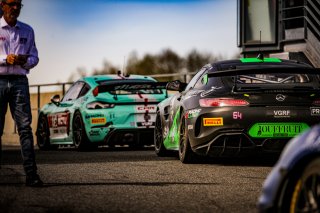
(56, 99)
(176, 85)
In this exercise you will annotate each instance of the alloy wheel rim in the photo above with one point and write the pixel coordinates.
(309, 196)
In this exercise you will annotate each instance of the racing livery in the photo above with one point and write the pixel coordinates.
(294, 182)
(233, 107)
(102, 109)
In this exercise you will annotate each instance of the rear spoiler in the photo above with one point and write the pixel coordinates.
(268, 70)
(264, 70)
(131, 85)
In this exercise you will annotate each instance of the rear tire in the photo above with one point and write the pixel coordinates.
(302, 192)
(159, 147)
(186, 155)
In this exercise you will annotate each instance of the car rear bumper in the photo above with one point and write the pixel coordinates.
(237, 143)
(134, 137)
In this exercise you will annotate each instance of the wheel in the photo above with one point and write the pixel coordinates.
(159, 148)
(43, 134)
(80, 138)
(302, 193)
(186, 155)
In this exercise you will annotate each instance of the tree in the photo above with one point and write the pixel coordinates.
(107, 68)
(80, 72)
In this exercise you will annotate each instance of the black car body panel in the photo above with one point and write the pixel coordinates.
(233, 106)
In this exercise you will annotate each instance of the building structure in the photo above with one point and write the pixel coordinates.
(288, 29)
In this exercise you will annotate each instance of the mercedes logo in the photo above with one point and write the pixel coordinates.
(280, 97)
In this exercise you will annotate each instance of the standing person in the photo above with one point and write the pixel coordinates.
(18, 54)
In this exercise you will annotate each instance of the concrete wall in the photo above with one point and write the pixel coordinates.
(10, 135)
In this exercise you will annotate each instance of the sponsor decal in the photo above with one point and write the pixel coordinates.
(208, 92)
(192, 94)
(277, 130)
(98, 120)
(94, 116)
(59, 132)
(315, 111)
(192, 113)
(58, 119)
(146, 108)
(213, 121)
(94, 133)
(281, 113)
(137, 87)
(237, 115)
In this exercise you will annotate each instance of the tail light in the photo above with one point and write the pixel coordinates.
(95, 91)
(99, 105)
(316, 102)
(221, 102)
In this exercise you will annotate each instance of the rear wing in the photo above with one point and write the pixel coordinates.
(131, 85)
(265, 70)
(244, 71)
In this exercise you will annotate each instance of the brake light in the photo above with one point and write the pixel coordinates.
(316, 102)
(221, 102)
(95, 91)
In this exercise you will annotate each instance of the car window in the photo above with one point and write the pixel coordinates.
(73, 92)
(195, 78)
(284, 78)
(84, 90)
(202, 82)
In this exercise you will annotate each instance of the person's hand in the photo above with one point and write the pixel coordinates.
(17, 59)
(11, 58)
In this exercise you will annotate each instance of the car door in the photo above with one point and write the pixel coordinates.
(59, 120)
(174, 109)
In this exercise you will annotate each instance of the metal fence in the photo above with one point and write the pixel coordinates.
(63, 87)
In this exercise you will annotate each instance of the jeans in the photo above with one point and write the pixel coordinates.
(14, 90)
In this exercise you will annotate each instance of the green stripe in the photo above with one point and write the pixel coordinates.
(251, 60)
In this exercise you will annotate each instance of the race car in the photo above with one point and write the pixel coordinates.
(236, 107)
(294, 182)
(102, 109)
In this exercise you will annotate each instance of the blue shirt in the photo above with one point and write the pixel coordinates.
(17, 40)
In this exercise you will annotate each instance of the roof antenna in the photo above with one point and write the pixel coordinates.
(260, 55)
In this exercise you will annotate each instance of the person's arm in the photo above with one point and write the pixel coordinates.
(32, 59)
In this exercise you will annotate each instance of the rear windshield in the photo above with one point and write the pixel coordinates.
(281, 78)
(264, 81)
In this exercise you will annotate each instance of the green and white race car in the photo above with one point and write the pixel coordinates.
(104, 109)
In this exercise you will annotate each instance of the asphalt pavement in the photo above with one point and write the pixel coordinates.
(126, 180)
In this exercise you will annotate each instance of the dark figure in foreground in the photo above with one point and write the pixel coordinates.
(18, 54)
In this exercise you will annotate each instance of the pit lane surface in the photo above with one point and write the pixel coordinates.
(126, 180)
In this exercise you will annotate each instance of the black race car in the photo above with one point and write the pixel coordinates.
(235, 106)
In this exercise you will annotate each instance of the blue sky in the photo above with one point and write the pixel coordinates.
(83, 33)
